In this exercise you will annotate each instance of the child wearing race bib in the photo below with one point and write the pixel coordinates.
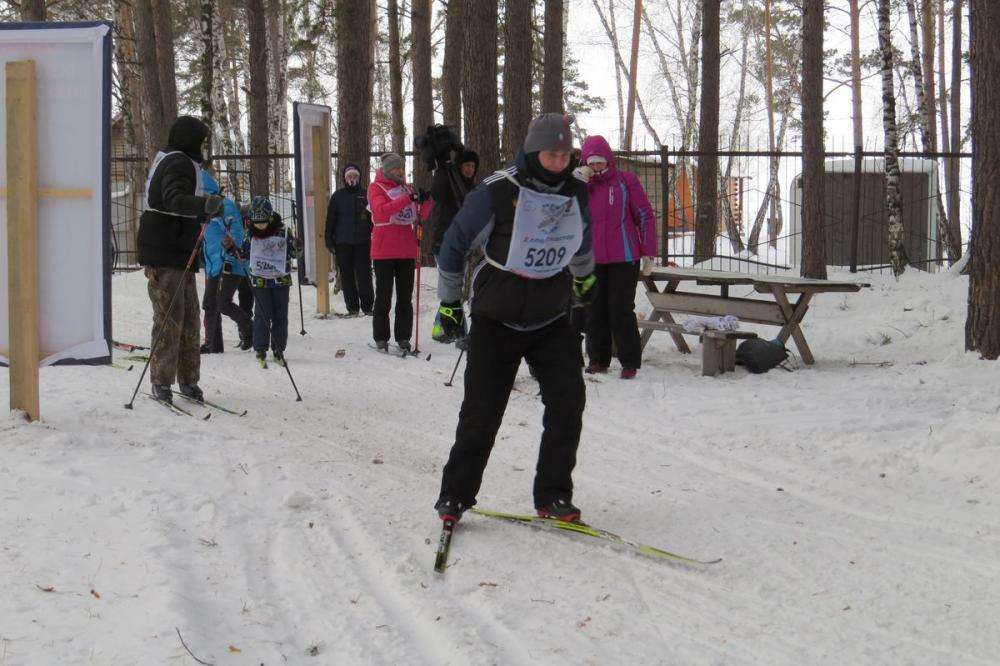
(532, 222)
(397, 210)
(270, 250)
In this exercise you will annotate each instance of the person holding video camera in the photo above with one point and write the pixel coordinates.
(397, 209)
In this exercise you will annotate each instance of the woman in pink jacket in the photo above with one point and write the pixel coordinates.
(397, 210)
(623, 231)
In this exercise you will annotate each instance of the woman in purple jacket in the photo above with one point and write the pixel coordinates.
(624, 231)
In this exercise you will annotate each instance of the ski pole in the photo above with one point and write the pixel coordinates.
(166, 318)
(302, 316)
(461, 352)
(260, 309)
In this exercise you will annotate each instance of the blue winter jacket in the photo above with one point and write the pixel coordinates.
(214, 255)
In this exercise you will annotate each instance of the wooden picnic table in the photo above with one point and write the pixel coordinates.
(779, 310)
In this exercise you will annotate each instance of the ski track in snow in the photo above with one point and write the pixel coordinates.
(303, 532)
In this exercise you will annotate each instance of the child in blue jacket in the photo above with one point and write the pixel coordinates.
(223, 273)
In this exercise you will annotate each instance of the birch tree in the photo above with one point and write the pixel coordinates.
(893, 199)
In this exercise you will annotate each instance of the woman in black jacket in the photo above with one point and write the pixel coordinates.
(349, 236)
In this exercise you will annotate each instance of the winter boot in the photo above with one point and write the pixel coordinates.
(596, 369)
(279, 357)
(628, 373)
(560, 509)
(192, 391)
(405, 346)
(262, 358)
(449, 508)
(163, 393)
(382, 345)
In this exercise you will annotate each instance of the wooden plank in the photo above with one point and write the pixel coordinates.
(765, 287)
(711, 357)
(321, 199)
(57, 192)
(793, 318)
(702, 275)
(710, 333)
(22, 235)
(758, 312)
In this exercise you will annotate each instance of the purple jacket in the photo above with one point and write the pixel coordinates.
(623, 224)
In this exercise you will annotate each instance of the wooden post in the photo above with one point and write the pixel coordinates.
(321, 198)
(22, 235)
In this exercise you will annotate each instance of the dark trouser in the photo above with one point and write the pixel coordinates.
(355, 266)
(495, 352)
(243, 317)
(245, 296)
(213, 320)
(176, 355)
(387, 272)
(611, 315)
(270, 321)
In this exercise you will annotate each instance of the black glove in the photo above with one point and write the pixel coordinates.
(213, 204)
(420, 196)
(452, 318)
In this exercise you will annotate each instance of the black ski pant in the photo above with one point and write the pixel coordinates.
(495, 352)
(387, 273)
(611, 316)
(355, 264)
(218, 301)
(270, 321)
(244, 294)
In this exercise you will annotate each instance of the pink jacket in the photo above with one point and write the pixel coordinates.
(623, 226)
(394, 219)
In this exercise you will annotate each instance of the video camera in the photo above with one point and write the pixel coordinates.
(436, 145)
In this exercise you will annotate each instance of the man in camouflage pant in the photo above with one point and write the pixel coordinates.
(169, 232)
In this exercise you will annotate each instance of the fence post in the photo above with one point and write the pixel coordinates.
(665, 199)
(856, 222)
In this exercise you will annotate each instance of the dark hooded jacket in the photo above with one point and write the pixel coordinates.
(449, 189)
(486, 220)
(347, 218)
(170, 225)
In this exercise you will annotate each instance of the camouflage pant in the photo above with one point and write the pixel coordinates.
(176, 355)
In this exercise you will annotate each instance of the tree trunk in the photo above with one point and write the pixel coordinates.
(355, 65)
(732, 229)
(396, 79)
(857, 119)
(982, 326)
(223, 135)
(207, 84)
(772, 195)
(954, 165)
(423, 101)
(813, 201)
(516, 76)
(152, 98)
(613, 35)
(260, 180)
(451, 71)
(633, 72)
(231, 89)
(775, 160)
(277, 66)
(552, 45)
(707, 216)
(163, 26)
(942, 83)
(893, 199)
(480, 95)
(33, 10)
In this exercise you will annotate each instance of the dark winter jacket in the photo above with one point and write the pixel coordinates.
(486, 220)
(347, 218)
(175, 207)
(449, 189)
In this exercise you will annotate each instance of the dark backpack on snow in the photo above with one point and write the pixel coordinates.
(759, 356)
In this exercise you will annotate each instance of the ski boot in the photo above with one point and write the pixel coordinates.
(449, 508)
(405, 346)
(279, 357)
(192, 391)
(560, 509)
(262, 359)
(163, 393)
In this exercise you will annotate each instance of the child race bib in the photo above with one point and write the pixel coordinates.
(268, 257)
(548, 232)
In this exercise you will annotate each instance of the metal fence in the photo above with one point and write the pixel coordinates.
(759, 227)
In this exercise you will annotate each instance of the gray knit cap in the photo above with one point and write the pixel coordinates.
(549, 131)
(392, 161)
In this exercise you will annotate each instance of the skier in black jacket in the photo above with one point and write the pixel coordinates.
(169, 229)
(349, 237)
(531, 220)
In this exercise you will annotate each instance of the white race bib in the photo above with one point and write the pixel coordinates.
(268, 257)
(407, 215)
(548, 232)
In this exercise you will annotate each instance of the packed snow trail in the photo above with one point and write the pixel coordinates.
(853, 506)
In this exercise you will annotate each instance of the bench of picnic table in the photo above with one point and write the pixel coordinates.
(718, 348)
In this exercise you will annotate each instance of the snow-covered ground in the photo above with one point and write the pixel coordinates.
(854, 504)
